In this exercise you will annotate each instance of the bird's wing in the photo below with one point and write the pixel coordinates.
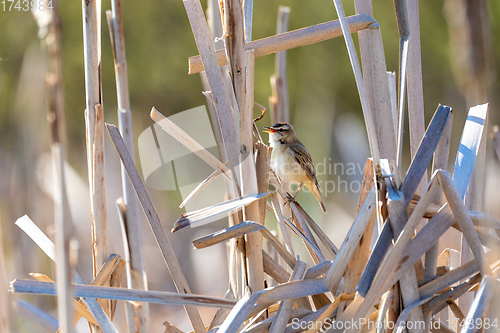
(303, 157)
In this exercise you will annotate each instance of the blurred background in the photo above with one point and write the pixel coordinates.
(323, 99)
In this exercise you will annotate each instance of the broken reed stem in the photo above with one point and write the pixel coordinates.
(292, 39)
(135, 265)
(155, 224)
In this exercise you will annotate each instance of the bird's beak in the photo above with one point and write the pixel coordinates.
(269, 130)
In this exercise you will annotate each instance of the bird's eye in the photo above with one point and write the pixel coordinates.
(280, 130)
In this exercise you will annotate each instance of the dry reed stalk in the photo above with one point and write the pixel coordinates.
(56, 120)
(105, 274)
(234, 40)
(376, 83)
(80, 309)
(393, 93)
(215, 24)
(440, 161)
(440, 302)
(248, 19)
(466, 157)
(223, 235)
(135, 265)
(289, 40)
(328, 312)
(53, 78)
(278, 102)
(467, 227)
(155, 224)
(262, 157)
(284, 231)
(397, 209)
(300, 223)
(411, 181)
(460, 273)
(283, 314)
(125, 294)
(385, 277)
(221, 314)
(274, 269)
(385, 303)
(351, 241)
(365, 105)
(263, 326)
(92, 61)
(253, 242)
(200, 216)
(63, 234)
(226, 121)
(242, 228)
(329, 246)
(489, 286)
(415, 93)
(404, 36)
(361, 255)
(300, 227)
(46, 245)
(474, 200)
(496, 140)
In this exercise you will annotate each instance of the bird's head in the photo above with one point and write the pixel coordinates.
(281, 131)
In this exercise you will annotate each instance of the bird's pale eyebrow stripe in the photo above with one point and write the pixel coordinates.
(278, 125)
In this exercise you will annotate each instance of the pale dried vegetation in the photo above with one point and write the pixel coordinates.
(399, 278)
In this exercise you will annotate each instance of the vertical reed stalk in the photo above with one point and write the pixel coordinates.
(63, 232)
(376, 83)
(365, 105)
(95, 126)
(415, 93)
(136, 278)
(278, 102)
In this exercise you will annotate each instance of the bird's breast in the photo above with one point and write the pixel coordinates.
(285, 166)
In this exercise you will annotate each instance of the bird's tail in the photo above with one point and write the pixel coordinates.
(314, 188)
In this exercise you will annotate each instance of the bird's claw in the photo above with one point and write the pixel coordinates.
(288, 199)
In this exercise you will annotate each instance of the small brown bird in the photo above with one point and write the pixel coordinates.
(291, 161)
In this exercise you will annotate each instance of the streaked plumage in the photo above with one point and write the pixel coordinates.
(291, 161)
